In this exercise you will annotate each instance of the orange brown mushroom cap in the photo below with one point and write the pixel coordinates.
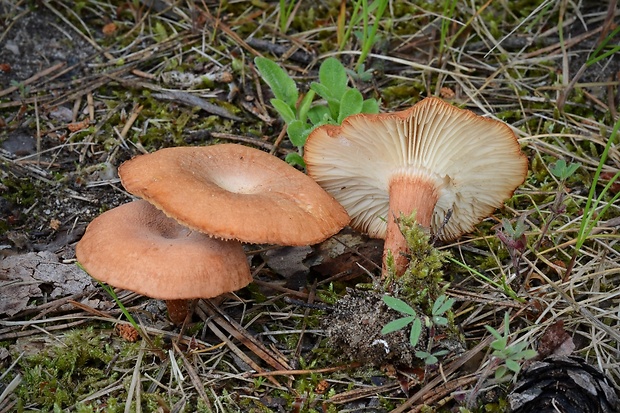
(235, 192)
(136, 247)
(432, 158)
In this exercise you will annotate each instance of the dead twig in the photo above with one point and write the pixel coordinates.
(32, 79)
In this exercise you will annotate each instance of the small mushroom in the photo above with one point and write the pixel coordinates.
(449, 165)
(235, 192)
(136, 247)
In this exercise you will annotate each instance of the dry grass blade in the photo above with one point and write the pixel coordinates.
(194, 377)
(135, 385)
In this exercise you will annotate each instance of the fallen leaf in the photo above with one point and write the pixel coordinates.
(37, 274)
(555, 340)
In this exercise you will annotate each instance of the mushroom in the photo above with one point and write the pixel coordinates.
(450, 166)
(235, 192)
(136, 247)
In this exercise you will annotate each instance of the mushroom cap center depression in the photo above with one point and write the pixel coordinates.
(235, 192)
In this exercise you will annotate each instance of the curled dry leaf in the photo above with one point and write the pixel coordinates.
(556, 340)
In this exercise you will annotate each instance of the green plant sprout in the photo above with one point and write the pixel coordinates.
(430, 358)
(511, 355)
(441, 306)
(301, 116)
(562, 171)
(112, 294)
(126, 313)
(514, 239)
(437, 318)
(505, 358)
(400, 323)
(449, 7)
(368, 35)
(286, 11)
(361, 73)
(23, 89)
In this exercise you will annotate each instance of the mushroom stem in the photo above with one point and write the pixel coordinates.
(177, 310)
(407, 194)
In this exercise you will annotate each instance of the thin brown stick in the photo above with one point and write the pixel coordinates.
(440, 377)
(302, 372)
(32, 79)
(241, 334)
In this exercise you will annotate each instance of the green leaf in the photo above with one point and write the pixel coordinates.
(370, 106)
(562, 171)
(332, 103)
(518, 347)
(441, 353)
(440, 321)
(500, 372)
(494, 332)
(295, 159)
(398, 305)
(319, 115)
(304, 106)
(499, 344)
(528, 354)
(284, 110)
(506, 324)
(513, 365)
(442, 304)
(416, 329)
(333, 76)
(427, 357)
(298, 132)
(351, 104)
(282, 86)
(396, 325)
(321, 90)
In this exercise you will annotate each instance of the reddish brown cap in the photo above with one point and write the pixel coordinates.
(235, 192)
(136, 247)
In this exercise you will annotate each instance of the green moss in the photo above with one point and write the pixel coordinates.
(61, 375)
(21, 191)
(421, 282)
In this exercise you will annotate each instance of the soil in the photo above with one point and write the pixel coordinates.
(49, 190)
(354, 331)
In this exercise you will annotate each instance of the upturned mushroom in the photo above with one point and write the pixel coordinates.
(138, 248)
(450, 166)
(235, 192)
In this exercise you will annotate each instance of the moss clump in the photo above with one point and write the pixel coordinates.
(421, 282)
(59, 377)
